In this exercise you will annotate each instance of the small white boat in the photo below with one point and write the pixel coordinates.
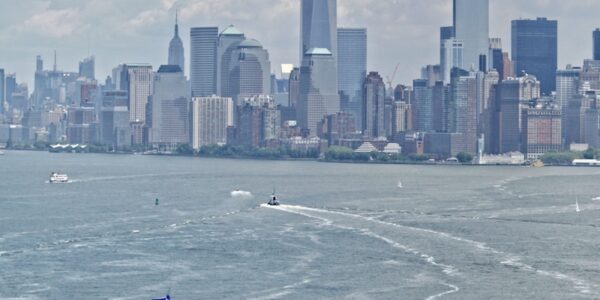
(400, 186)
(577, 208)
(58, 178)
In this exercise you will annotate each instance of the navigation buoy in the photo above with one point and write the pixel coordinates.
(156, 202)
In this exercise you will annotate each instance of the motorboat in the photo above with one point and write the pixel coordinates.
(58, 178)
(273, 201)
(167, 297)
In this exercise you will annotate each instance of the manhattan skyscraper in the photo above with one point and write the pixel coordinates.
(318, 88)
(596, 36)
(318, 25)
(228, 42)
(471, 27)
(203, 61)
(2, 90)
(318, 72)
(170, 105)
(535, 50)
(176, 54)
(352, 69)
(373, 125)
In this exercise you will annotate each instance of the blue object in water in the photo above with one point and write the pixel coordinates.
(166, 298)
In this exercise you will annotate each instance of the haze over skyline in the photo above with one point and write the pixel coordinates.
(399, 31)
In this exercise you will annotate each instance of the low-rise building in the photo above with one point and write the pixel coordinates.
(392, 148)
(511, 158)
(366, 147)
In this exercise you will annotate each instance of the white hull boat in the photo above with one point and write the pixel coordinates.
(58, 178)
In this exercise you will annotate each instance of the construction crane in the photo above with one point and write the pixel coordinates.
(391, 79)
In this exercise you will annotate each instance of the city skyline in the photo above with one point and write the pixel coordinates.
(75, 30)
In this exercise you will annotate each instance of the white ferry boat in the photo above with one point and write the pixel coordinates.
(58, 178)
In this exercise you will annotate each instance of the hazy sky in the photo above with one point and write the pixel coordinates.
(119, 31)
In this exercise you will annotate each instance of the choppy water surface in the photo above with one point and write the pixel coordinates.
(344, 231)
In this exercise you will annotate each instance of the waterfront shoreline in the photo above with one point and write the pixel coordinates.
(304, 159)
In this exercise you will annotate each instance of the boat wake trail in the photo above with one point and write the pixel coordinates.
(468, 250)
(453, 289)
(446, 269)
(122, 177)
(544, 210)
(277, 293)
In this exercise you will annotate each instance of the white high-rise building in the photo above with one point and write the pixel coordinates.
(140, 86)
(211, 116)
(567, 86)
(451, 56)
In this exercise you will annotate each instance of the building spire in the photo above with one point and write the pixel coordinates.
(176, 23)
(54, 60)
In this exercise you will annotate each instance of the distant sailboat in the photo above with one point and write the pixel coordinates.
(400, 186)
(577, 208)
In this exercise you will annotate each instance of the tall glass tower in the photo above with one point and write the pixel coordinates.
(228, 42)
(176, 56)
(318, 73)
(318, 90)
(2, 90)
(352, 69)
(597, 44)
(203, 61)
(535, 50)
(318, 25)
(471, 26)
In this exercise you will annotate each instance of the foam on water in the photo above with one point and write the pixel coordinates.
(277, 293)
(446, 269)
(544, 210)
(241, 194)
(505, 258)
(453, 289)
